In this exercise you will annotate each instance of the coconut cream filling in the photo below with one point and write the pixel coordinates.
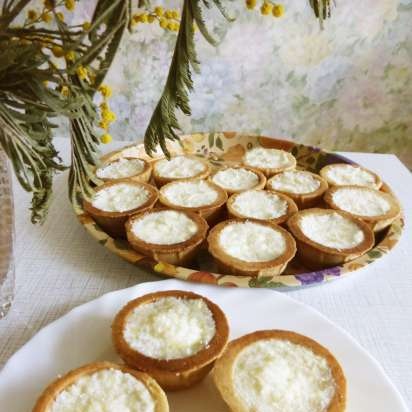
(268, 158)
(295, 182)
(236, 179)
(190, 193)
(170, 328)
(331, 230)
(361, 201)
(164, 227)
(350, 175)
(105, 390)
(179, 167)
(259, 204)
(121, 168)
(280, 376)
(252, 242)
(120, 197)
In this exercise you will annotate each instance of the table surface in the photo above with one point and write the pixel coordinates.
(60, 266)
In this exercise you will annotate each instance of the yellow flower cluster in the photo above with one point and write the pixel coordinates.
(106, 115)
(167, 19)
(267, 8)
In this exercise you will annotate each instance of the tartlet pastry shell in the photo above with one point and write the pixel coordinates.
(378, 222)
(211, 212)
(143, 176)
(314, 255)
(162, 180)
(260, 185)
(304, 200)
(114, 222)
(324, 173)
(50, 393)
(233, 266)
(291, 209)
(223, 369)
(173, 374)
(181, 253)
(270, 171)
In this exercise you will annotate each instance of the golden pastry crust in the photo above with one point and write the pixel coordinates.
(234, 266)
(325, 170)
(270, 171)
(177, 253)
(143, 176)
(315, 255)
(50, 393)
(304, 200)
(210, 212)
(162, 180)
(261, 179)
(173, 374)
(377, 222)
(223, 369)
(291, 209)
(114, 222)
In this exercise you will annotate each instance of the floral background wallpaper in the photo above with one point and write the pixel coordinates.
(348, 87)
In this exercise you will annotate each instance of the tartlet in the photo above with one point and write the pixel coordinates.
(114, 202)
(269, 161)
(179, 168)
(235, 179)
(327, 237)
(103, 386)
(305, 188)
(343, 174)
(133, 168)
(377, 208)
(251, 248)
(200, 196)
(175, 336)
(279, 370)
(261, 205)
(171, 236)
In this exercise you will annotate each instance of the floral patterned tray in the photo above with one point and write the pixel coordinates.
(225, 148)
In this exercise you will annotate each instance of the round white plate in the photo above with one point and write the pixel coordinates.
(83, 335)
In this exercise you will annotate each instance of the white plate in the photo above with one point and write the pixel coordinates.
(83, 335)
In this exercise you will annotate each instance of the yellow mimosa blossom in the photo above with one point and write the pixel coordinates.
(82, 73)
(32, 14)
(86, 25)
(70, 4)
(163, 23)
(58, 51)
(106, 138)
(108, 116)
(266, 8)
(103, 124)
(104, 106)
(173, 26)
(278, 10)
(250, 4)
(60, 16)
(48, 4)
(70, 56)
(64, 91)
(175, 14)
(46, 83)
(159, 11)
(150, 18)
(105, 90)
(169, 14)
(46, 17)
(140, 18)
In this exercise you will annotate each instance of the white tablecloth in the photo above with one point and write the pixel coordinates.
(59, 266)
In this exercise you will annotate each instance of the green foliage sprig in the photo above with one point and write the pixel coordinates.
(34, 91)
